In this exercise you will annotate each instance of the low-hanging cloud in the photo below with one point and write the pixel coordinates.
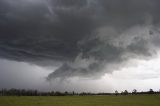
(82, 36)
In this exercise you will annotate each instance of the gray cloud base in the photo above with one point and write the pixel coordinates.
(83, 36)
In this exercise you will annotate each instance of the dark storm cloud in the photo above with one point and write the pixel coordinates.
(84, 36)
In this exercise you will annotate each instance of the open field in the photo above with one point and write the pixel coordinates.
(139, 100)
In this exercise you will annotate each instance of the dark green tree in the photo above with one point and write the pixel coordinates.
(116, 93)
(134, 91)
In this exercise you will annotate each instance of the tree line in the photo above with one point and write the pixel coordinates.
(23, 92)
(135, 92)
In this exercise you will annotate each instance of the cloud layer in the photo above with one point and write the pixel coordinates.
(82, 37)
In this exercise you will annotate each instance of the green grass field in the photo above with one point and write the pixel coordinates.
(139, 100)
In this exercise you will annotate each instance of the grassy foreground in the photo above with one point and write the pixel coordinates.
(139, 100)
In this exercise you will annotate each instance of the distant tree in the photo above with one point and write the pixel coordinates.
(125, 92)
(73, 93)
(122, 93)
(151, 91)
(52, 93)
(116, 93)
(134, 91)
(66, 93)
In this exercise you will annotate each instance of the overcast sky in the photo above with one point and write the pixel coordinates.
(80, 45)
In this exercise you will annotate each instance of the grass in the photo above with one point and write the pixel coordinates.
(139, 100)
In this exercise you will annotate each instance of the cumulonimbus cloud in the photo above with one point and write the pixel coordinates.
(84, 36)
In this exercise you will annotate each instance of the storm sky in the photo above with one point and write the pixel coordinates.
(80, 45)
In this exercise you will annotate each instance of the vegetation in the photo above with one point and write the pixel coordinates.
(18, 97)
(23, 92)
(129, 100)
